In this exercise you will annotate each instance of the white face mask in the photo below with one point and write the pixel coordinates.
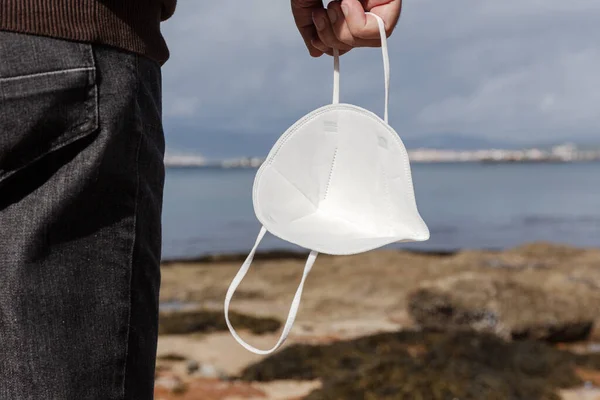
(337, 182)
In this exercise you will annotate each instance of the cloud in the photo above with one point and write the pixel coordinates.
(521, 100)
(495, 69)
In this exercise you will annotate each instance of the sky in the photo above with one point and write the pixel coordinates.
(512, 70)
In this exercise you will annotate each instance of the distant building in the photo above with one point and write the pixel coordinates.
(567, 152)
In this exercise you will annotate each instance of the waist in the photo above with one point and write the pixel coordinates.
(129, 25)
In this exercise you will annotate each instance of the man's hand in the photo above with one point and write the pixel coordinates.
(344, 24)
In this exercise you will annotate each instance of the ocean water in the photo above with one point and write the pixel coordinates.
(208, 211)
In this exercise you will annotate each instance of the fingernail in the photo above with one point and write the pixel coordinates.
(319, 22)
(345, 9)
(332, 15)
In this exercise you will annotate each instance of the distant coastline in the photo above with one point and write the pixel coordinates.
(565, 153)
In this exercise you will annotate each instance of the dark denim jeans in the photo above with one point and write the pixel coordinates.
(81, 181)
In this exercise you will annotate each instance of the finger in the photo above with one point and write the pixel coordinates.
(389, 13)
(325, 31)
(308, 34)
(327, 50)
(342, 31)
(302, 11)
(322, 47)
(368, 5)
(367, 43)
(340, 28)
(361, 27)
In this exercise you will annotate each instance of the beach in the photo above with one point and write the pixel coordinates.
(521, 323)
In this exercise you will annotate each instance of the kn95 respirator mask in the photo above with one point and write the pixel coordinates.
(337, 182)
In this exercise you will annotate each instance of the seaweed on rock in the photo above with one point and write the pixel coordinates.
(427, 365)
(206, 321)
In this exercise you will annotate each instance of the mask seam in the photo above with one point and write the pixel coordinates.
(295, 187)
(331, 172)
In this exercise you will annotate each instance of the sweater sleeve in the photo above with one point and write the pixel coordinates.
(168, 8)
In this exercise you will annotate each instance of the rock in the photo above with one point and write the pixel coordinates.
(211, 389)
(206, 321)
(502, 305)
(192, 366)
(170, 383)
(583, 393)
(210, 371)
(171, 357)
(412, 365)
(589, 376)
(546, 251)
(512, 263)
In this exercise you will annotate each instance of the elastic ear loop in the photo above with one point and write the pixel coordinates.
(313, 254)
(386, 67)
(293, 309)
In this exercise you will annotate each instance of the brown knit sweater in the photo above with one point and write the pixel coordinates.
(132, 25)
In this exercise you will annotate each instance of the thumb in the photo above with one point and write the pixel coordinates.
(359, 24)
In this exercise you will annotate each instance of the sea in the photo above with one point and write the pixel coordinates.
(465, 205)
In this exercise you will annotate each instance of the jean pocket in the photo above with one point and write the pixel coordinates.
(41, 112)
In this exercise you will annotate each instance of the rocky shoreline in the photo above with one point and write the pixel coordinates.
(518, 324)
(278, 255)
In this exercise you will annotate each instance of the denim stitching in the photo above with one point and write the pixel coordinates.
(40, 74)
